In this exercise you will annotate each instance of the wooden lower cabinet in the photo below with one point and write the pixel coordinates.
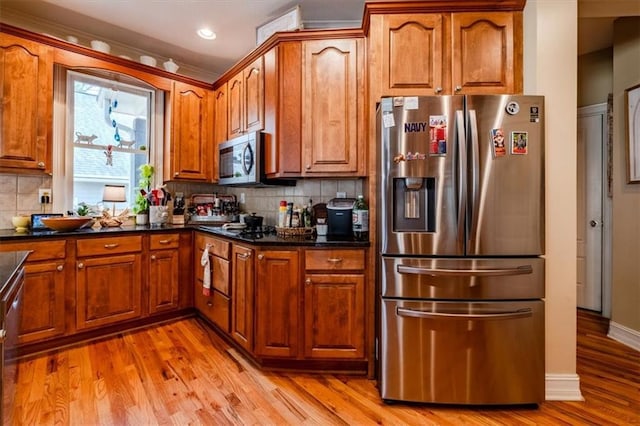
(164, 280)
(108, 281)
(43, 313)
(277, 299)
(242, 300)
(334, 304)
(215, 306)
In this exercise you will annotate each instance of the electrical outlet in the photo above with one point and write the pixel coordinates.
(44, 196)
(242, 198)
(341, 194)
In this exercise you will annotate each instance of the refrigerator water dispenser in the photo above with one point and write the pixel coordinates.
(414, 204)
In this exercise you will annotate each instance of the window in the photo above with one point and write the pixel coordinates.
(109, 134)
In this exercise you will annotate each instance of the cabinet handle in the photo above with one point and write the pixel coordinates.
(110, 246)
(153, 257)
(41, 164)
(261, 256)
(307, 281)
(246, 256)
(80, 265)
(458, 88)
(3, 335)
(308, 166)
(164, 241)
(334, 260)
(209, 304)
(59, 267)
(438, 90)
(176, 174)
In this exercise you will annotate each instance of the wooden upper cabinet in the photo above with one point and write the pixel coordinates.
(26, 104)
(415, 47)
(191, 147)
(332, 107)
(246, 100)
(487, 52)
(220, 99)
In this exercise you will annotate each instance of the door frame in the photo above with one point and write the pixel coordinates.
(602, 109)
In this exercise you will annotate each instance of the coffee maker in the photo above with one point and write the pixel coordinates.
(339, 219)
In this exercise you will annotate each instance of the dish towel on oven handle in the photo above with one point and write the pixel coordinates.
(206, 276)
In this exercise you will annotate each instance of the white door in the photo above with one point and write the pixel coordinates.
(591, 144)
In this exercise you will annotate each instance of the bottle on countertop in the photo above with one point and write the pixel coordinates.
(360, 219)
(282, 214)
(308, 218)
(289, 216)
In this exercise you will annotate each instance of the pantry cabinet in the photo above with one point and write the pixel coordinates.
(246, 100)
(190, 149)
(446, 53)
(108, 280)
(277, 298)
(333, 107)
(43, 313)
(26, 105)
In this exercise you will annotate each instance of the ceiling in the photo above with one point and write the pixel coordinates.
(167, 28)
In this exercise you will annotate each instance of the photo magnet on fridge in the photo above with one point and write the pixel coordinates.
(438, 135)
(497, 142)
(519, 143)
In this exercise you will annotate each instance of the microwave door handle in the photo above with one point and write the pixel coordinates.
(520, 313)
(442, 272)
(462, 176)
(246, 169)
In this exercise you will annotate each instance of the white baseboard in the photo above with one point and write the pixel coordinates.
(624, 335)
(562, 387)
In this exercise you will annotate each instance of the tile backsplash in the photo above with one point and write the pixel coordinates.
(19, 195)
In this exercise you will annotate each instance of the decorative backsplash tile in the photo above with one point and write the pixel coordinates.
(19, 196)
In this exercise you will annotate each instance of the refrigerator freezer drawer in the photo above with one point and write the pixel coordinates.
(462, 353)
(463, 279)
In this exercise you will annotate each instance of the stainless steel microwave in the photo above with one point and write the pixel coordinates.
(241, 162)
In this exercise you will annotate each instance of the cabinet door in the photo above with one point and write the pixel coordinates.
(108, 290)
(486, 58)
(43, 312)
(414, 47)
(164, 282)
(334, 308)
(26, 104)
(277, 303)
(191, 146)
(253, 118)
(333, 94)
(242, 288)
(219, 125)
(235, 104)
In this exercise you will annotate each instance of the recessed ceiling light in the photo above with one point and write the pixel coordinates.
(206, 33)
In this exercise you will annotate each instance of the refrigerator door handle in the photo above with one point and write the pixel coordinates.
(437, 272)
(520, 313)
(474, 181)
(462, 174)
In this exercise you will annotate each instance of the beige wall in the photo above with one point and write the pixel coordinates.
(595, 77)
(626, 197)
(551, 70)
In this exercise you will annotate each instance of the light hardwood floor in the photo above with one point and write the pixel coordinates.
(183, 373)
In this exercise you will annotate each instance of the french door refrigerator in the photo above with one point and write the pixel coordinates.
(461, 234)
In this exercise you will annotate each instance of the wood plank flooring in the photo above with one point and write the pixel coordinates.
(183, 373)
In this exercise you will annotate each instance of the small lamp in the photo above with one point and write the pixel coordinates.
(114, 194)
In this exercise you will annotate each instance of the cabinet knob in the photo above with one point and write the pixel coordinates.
(41, 164)
(209, 304)
(153, 257)
(261, 256)
(308, 166)
(59, 267)
(80, 265)
(438, 90)
(176, 174)
(458, 88)
(307, 281)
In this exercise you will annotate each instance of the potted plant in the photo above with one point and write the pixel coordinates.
(141, 203)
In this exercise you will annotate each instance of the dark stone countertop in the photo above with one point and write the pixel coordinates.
(10, 263)
(8, 235)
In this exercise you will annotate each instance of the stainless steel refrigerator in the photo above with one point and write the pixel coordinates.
(461, 234)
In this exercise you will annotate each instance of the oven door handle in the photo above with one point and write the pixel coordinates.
(520, 313)
(439, 272)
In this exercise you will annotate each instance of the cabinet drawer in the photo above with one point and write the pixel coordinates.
(348, 259)
(109, 245)
(219, 270)
(217, 247)
(164, 241)
(215, 308)
(39, 250)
